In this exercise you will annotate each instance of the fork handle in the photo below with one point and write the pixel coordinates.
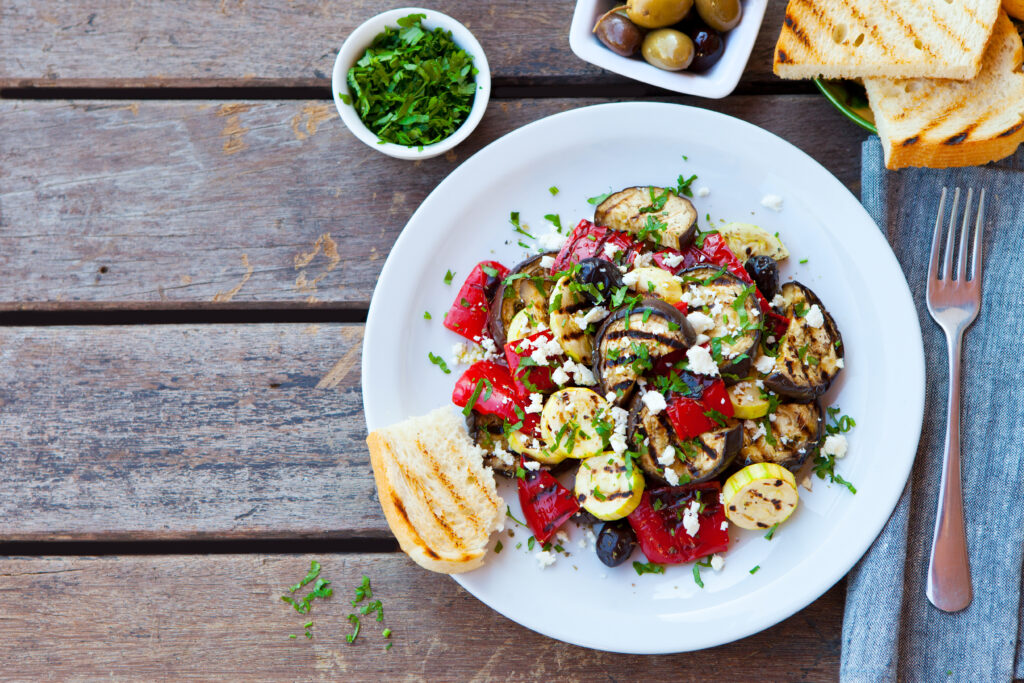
(949, 571)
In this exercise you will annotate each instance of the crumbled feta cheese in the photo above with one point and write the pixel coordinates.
(543, 350)
(717, 308)
(764, 364)
(700, 322)
(547, 262)
(644, 259)
(671, 260)
(835, 445)
(504, 456)
(580, 373)
(778, 302)
(702, 339)
(610, 397)
(703, 191)
(562, 538)
(672, 478)
(692, 298)
(536, 403)
(667, 457)
(552, 241)
(610, 250)
(814, 317)
(531, 465)
(631, 278)
(725, 526)
(840, 364)
(701, 362)
(654, 401)
(588, 539)
(771, 417)
(759, 432)
(771, 339)
(594, 315)
(691, 520)
(772, 201)
(545, 558)
(560, 377)
(721, 499)
(717, 562)
(467, 354)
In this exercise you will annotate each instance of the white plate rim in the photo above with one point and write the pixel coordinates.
(901, 303)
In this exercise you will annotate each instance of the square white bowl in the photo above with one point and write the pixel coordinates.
(716, 82)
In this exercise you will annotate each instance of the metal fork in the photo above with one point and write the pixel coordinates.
(954, 300)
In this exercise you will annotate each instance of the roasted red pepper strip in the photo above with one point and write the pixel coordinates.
(528, 377)
(716, 397)
(662, 533)
(687, 417)
(587, 240)
(468, 315)
(490, 388)
(546, 503)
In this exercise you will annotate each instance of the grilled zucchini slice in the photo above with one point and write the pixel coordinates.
(571, 423)
(760, 496)
(607, 487)
(563, 308)
(810, 354)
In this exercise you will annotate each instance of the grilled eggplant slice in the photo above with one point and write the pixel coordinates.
(527, 286)
(488, 432)
(699, 459)
(632, 340)
(810, 354)
(735, 311)
(798, 429)
(629, 211)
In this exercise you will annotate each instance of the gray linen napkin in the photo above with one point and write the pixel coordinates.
(890, 631)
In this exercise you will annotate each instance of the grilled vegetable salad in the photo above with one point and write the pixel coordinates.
(666, 366)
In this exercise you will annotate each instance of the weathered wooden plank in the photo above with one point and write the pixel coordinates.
(171, 432)
(207, 43)
(219, 617)
(158, 203)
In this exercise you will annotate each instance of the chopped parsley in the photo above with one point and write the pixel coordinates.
(426, 315)
(304, 604)
(413, 86)
(825, 465)
(683, 187)
(554, 220)
(365, 593)
(553, 190)
(803, 260)
(448, 277)
(439, 362)
(490, 271)
(513, 218)
(599, 198)
(497, 549)
(754, 570)
(696, 575)
(771, 533)
(648, 568)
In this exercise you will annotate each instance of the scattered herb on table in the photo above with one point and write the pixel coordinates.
(364, 592)
(413, 86)
(302, 605)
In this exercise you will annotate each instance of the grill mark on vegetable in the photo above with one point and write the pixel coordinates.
(575, 307)
(643, 335)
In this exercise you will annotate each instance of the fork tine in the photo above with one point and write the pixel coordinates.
(979, 229)
(933, 264)
(965, 234)
(947, 260)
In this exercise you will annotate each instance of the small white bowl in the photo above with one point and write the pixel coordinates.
(716, 82)
(361, 38)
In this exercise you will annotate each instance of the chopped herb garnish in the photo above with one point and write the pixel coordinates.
(508, 513)
(351, 637)
(491, 271)
(314, 571)
(448, 277)
(439, 362)
(426, 315)
(771, 533)
(648, 568)
(684, 185)
(696, 575)
(530, 543)
(553, 190)
(413, 86)
(386, 633)
(497, 549)
(554, 220)
(754, 570)
(599, 198)
(803, 260)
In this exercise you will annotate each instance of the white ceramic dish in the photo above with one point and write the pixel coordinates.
(361, 38)
(851, 268)
(718, 81)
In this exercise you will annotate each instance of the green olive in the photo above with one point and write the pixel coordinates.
(721, 15)
(668, 49)
(657, 13)
(618, 33)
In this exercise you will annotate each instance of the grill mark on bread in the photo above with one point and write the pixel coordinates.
(959, 137)
(910, 141)
(452, 490)
(417, 488)
(1011, 130)
(953, 35)
(797, 31)
(781, 55)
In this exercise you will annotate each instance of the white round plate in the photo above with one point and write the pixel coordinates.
(589, 151)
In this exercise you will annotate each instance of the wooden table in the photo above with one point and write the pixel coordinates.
(189, 239)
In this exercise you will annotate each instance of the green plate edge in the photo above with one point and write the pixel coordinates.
(838, 93)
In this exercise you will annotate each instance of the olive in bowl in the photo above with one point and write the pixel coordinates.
(657, 13)
(618, 33)
(721, 15)
(668, 49)
(708, 45)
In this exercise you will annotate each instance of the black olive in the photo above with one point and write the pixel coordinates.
(765, 273)
(604, 275)
(585, 518)
(616, 543)
(708, 44)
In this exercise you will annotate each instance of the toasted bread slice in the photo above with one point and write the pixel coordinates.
(1015, 8)
(884, 38)
(439, 499)
(942, 123)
